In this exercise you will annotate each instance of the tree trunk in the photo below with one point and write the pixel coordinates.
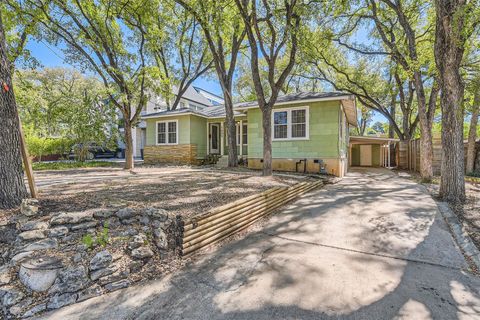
(232, 135)
(391, 129)
(472, 133)
(426, 152)
(129, 163)
(12, 187)
(449, 49)
(267, 140)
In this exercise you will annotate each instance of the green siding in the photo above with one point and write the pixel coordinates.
(324, 134)
(183, 129)
(198, 135)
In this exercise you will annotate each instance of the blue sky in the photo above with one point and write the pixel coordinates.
(50, 56)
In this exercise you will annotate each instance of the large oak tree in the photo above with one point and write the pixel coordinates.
(12, 187)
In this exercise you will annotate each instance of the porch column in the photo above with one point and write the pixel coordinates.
(222, 135)
(241, 136)
(388, 150)
(208, 139)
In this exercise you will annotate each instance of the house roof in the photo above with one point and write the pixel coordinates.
(209, 112)
(193, 95)
(298, 97)
(348, 103)
(371, 140)
(209, 92)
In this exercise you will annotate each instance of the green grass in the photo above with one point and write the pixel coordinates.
(37, 166)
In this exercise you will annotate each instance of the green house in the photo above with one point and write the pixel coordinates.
(310, 133)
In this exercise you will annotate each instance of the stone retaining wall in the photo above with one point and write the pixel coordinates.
(49, 261)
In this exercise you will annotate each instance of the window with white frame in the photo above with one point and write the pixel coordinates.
(167, 132)
(290, 124)
(244, 133)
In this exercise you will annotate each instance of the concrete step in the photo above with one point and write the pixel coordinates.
(222, 162)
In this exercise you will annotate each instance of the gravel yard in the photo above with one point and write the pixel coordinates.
(180, 190)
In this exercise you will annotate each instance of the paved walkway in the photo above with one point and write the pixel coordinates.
(373, 246)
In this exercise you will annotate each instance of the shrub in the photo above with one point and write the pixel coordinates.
(38, 147)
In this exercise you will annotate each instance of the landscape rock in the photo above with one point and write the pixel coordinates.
(71, 279)
(36, 309)
(104, 214)
(112, 222)
(135, 266)
(41, 245)
(79, 257)
(114, 277)
(142, 253)
(20, 307)
(156, 213)
(61, 300)
(29, 207)
(85, 225)
(90, 292)
(161, 239)
(101, 260)
(95, 275)
(58, 232)
(145, 220)
(40, 273)
(5, 275)
(125, 213)
(72, 218)
(10, 296)
(129, 221)
(19, 257)
(8, 234)
(34, 225)
(137, 241)
(32, 235)
(117, 285)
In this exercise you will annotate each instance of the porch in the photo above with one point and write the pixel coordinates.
(217, 142)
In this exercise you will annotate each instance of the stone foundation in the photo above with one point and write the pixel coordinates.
(333, 166)
(178, 153)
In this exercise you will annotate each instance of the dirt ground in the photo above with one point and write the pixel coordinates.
(182, 190)
(469, 213)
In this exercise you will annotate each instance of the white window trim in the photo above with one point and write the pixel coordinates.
(166, 132)
(237, 132)
(289, 123)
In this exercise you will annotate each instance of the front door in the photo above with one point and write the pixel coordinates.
(214, 138)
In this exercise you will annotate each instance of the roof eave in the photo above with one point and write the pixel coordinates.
(342, 97)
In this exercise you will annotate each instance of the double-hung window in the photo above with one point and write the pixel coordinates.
(290, 124)
(244, 133)
(167, 132)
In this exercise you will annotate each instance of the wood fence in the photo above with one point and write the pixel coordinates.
(409, 155)
(222, 222)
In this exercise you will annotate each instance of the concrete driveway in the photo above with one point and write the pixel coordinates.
(373, 246)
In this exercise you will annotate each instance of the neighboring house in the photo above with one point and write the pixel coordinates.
(194, 98)
(310, 132)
